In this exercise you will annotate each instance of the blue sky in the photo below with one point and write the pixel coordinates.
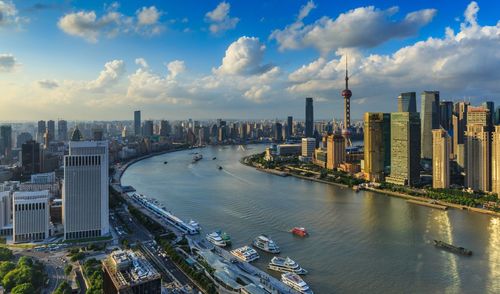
(239, 59)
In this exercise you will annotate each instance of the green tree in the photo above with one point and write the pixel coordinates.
(63, 288)
(5, 254)
(5, 267)
(67, 269)
(25, 288)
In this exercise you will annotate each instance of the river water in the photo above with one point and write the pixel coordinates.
(359, 242)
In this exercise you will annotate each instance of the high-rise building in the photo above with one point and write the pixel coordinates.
(23, 138)
(459, 122)
(85, 193)
(490, 105)
(97, 134)
(407, 102)
(62, 130)
(137, 122)
(40, 131)
(441, 152)
(495, 161)
(405, 148)
(377, 149)
(5, 210)
(335, 151)
(278, 132)
(148, 128)
(430, 121)
(51, 130)
(30, 216)
(6, 141)
(308, 146)
(497, 116)
(478, 115)
(477, 157)
(309, 131)
(445, 115)
(289, 127)
(165, 129)
(31, 158)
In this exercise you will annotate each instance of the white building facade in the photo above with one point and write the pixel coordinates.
(85, 192)
(30, 216)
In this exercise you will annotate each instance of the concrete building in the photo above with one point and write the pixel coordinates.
(148, 127)
(445, 115)
(459, 121)
(490, 106)
(62, 130)
(441, 152)
(407, 102)
(405, 148)
(478, 116)
(137, 123)
(30, 216)
(377, 149)
(278, 132)
(309, 130)
(127, 272)
(477, 157)
(288, 149)
(51, 130)
(40, 131)
(5, 212)
(308, 146)
(429, 121)
(165, 128)
(495, 161)
(85, 192)
(289, 127)
(45, 178)
(335, 150)
(6, 141)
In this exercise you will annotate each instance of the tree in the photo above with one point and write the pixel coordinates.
(67, 269)
(25, 288)
(5, 268)
(63, 288)
(5, 254)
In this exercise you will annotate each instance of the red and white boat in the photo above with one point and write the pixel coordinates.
(302, 232)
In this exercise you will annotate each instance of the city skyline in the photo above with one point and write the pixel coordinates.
(252, 61)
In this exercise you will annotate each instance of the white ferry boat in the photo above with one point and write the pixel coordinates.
(245, 253)
(216, 239)
(195, 225)
(265, 243)
(197, 157)
(296, 283)
(284, 265)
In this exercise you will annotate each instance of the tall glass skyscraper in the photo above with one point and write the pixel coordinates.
(137, 122)
(429, 117)
(309, 118)
(407, 102)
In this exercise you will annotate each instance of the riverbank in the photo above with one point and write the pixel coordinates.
(438, 204)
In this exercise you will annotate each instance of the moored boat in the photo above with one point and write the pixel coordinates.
(225, 236)
(452, 248)
(245, 253)
(265, 243)
(296, 283)
(216, 239)
(281, 264)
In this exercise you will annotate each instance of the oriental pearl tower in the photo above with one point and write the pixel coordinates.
(346, 93)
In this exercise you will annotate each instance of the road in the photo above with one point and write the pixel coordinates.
(54, 266)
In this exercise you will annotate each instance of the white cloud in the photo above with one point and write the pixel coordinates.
(141, 62)
(175, 68)
(305, 10)
(9, 15)
(7, 62)
(110, 75)
(244, 57)
(219, 19)
(48, 84)
(363, 27)
(256, 93)
(87, 25)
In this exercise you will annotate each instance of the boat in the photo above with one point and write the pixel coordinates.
(197, 157)
(299, 231)
(219, 167)
(214, 158)
(296, 283)
(245, 253)
(225, 236)
(452, 248)
(281, 264)
(265, 243)
(215, 239)
(195, 225)
(165, 162)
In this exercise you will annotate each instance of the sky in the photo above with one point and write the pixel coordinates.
(238, 59)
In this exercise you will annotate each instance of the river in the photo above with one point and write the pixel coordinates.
(359, 242)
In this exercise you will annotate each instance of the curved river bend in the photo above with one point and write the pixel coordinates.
(360, 242)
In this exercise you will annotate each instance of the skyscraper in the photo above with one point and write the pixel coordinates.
(445, 115)
(40, 131)
(407, 102)
(31, 158)
(335, 150)
(377, 149)
(289, 127)
(308, 146)
(51, 130)
(497, 116)
(441, 149)
(6, 141)
(309, 131)
(495, 161)
(137, 122)
(478, 115)
(477, 157)
(85, 192)
(148, 128)
(459, 122)
(62, 130)
(430, 121)
(490, 105)
(347, 94)
(164, 128)
(405, 148)
(278, 132)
